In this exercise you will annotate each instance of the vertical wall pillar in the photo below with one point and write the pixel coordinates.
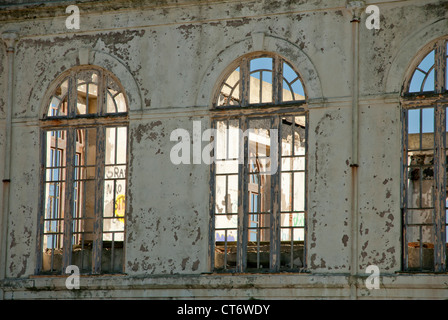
(9, 39)
(356, 8)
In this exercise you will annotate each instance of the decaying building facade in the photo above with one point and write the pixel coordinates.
(224, 149)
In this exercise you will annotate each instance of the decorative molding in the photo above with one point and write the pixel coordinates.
(356, 8)
(10, 38)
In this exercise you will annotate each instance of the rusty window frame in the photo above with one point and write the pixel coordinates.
(75, 126)
(417, 102)
(242, 111)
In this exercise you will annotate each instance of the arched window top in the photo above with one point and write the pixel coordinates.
(430, 75)
(261, 79)
(86, 91)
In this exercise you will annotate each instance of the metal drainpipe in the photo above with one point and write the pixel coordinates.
(356, 8)
(10, 38)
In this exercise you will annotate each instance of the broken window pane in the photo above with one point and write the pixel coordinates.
(58, 103)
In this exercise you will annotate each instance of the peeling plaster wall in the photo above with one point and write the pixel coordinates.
(169, 56)
(169, 233)
(329, 230)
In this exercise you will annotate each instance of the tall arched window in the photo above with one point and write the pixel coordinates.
(424, 200)
(258, 207)
(84, 173)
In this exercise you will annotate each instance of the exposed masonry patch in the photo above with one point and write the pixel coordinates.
(313, 262)
(146, 130)
(345, 240)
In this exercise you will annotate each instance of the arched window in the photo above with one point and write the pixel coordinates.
(258, 207)
(424, 162)
(260, 80)
(84, 170)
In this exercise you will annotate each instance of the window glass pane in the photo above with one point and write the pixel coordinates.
(58, 103)
(427, 120)
(287, 135)
(423, 77)
(114, 206)
(115, 101)
(54, 199)
(87, 92)
(259, 64)
(292, 85)
(429, 82)
(230, 93)
(420, 247)
(111, 145)
(120, 102)
(427, 62)
(413, 121)
(260, 80)
(416, 81)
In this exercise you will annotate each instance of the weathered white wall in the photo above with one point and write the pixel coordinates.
(169, 58)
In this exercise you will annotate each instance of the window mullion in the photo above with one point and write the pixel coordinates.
(440, 188)
(68, 197)
(245, 82)
(275, 195)
(72, 95)
(243, 198)
(102, 95)
(99, 199)
(440, 67)
(277, 80)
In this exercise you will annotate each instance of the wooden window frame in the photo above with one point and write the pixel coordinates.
(71, 123)
(438, 100)
(243, 113)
